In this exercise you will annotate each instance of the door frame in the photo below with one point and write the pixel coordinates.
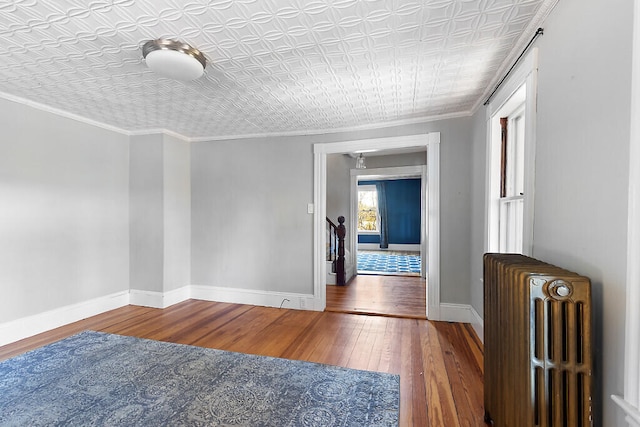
(431, 143)
(402, 172)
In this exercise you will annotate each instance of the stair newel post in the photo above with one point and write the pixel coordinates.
(342, 232)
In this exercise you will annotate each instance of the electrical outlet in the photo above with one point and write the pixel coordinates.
(303, 303)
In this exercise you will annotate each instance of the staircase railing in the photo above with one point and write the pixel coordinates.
(332, 241)
(335, 254)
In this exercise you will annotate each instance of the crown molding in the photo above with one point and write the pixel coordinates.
(168, 132)
(404, 122)
(62, 113)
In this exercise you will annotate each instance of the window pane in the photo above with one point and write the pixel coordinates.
(367, 210)
(511, 225)
(515, 156)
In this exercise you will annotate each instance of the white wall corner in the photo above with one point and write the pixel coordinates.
(25, 327)
(459, 313)
(256, 297)
(159, 299)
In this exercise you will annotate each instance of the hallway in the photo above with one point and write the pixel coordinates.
(394, 296)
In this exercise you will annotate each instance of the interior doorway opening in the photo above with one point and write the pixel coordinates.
(429, 210)
(388, 219)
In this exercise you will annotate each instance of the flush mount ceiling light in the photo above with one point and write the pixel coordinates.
(174, 59)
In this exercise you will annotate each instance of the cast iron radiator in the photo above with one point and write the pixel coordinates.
(537, 344)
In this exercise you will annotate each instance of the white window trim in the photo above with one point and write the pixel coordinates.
(630, 402)
(525, 74)
(370, 187)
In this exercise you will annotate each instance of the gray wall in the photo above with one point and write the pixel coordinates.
(64, 220)
(146, 213)
(582, 163)
(177, 213)
(160, 213)
(478, 210)
(581, 184)
(338, 187)
(396, 160)
(250, 228)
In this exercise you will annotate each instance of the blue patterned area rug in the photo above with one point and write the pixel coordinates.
(382, 263)
(98, 379)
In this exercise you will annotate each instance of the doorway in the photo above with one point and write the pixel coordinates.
(430, 225)
(386, 217)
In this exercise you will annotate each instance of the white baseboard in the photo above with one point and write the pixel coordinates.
(28, 326)
(255, 297)
(25, 327)
(631, 411)
(463, 313)
(478, 324)
(159, 299)
(459, 313)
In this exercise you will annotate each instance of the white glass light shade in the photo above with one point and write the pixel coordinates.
(174, 59)
(360, 162)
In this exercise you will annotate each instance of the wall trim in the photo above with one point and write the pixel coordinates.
(81, 119)
(478, 324)
(25, 327)
(632, 413)
(459, 313)
(255, 297)
(384, 125)
(159, 299)
(29, 326)
(630, 402)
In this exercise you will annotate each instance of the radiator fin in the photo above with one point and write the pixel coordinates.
(538, 362)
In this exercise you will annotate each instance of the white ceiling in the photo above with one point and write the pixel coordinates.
(276, 67)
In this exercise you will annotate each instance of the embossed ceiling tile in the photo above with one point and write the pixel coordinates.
(439, 11)
(432, 33)
(464, 24)
(275, 65)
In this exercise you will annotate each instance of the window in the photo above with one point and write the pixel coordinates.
(510, 170)
(511, 203)
(368, 218)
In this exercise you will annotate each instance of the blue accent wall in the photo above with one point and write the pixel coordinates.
(368, 238)
(403, 209)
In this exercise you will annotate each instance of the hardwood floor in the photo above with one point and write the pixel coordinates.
(440, 364)
(401, 296)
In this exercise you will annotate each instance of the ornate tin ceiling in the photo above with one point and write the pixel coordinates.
(276, 66)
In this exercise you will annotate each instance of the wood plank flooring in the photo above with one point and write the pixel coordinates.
(401, 296)
(440, 364)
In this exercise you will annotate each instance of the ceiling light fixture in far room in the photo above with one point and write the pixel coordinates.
(360, 162)
(174, 59)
